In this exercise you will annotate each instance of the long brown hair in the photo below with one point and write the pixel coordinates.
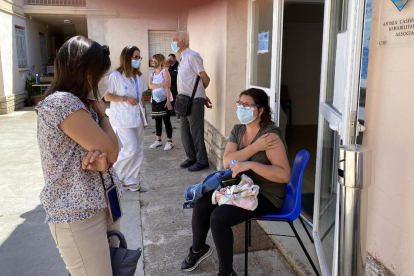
(125, 62)
(260, 98)
(76, 59)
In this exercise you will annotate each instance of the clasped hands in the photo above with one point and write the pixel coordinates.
(95, 161)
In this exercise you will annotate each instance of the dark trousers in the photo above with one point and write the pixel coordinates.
(220, 219)
(192, 133)
(167, 123)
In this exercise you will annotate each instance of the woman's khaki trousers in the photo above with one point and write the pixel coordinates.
(83, 245)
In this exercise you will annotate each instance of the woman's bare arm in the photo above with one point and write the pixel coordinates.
(152, 85)
(278, 171)
(86, 132)
(231, 153)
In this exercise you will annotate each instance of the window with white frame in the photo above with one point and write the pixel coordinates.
(159, 42)
(20, 34)
(43, 48)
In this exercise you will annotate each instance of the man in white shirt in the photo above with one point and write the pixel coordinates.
(192, 127)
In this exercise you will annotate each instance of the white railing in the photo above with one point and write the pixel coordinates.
(76, 3)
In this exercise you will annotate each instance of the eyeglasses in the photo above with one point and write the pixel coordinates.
(105, 49)
(246, 105)
(137, 57)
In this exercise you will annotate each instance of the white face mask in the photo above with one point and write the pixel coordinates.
(102, 89)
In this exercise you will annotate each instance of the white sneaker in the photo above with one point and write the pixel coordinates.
(133, 187)
(168, 146)
(156, 144)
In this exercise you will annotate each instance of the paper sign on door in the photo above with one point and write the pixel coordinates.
(263, 43)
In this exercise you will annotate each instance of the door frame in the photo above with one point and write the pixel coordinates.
(276, 63)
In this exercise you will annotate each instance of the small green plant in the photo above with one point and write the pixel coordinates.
(30, 81)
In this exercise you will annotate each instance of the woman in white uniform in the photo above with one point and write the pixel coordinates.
(126, 85)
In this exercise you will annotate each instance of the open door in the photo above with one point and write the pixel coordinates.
(264, 49)
(338, 124)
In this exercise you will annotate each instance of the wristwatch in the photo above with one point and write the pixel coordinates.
(124, 98)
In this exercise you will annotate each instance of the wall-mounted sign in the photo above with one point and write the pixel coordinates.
(396, 26)
(400, 4)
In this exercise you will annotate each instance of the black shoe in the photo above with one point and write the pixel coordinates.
(194, 259)
(197, 167)
(187, 163)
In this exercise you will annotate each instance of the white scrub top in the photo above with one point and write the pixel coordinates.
(124, 115)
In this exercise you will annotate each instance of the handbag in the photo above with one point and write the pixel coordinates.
(124, 261)
(243, 195)
(183, 103)
(158, 109)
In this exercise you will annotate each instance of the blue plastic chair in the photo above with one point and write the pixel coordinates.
(291, 208)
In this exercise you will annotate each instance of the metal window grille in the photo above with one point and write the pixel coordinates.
(20, 34)
(77, 3)
(43, 48)
(159, 42)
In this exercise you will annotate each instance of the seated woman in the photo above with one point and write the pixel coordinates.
(256, 139)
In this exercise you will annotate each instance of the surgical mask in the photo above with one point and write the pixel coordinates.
(174, 46)
(155, 65)
(102, 89)
(245, 116)
(135, 63)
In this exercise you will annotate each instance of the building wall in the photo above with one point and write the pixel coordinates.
(218, 31)
(12, 92)
(389, 119)
(118, 26)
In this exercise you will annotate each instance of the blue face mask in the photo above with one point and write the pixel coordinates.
(135, 63)
(245, 116)
(174, 46)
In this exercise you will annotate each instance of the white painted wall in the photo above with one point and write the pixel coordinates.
(389, 119)
(13, 79)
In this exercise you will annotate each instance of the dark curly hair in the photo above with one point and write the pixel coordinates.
(260, 97)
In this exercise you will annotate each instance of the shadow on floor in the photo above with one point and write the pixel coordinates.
(30, 248)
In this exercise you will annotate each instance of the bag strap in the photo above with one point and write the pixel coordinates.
(117, 262)
(195, 87)
(103, 182)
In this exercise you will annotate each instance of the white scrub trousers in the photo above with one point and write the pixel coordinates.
(130, 157)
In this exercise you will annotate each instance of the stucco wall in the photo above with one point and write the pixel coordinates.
(218, 31)
(390, 134)
(206, 26)
(122, 24)
(236, 57)
(13, 79)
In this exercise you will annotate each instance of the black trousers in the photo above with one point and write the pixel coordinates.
(220, 219)
(167, 123)
(192, 133)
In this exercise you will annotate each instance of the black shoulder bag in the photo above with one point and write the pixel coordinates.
(183, 103)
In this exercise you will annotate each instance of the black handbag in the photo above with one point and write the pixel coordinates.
(183, 103)
(124, 261)
(158, 109)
